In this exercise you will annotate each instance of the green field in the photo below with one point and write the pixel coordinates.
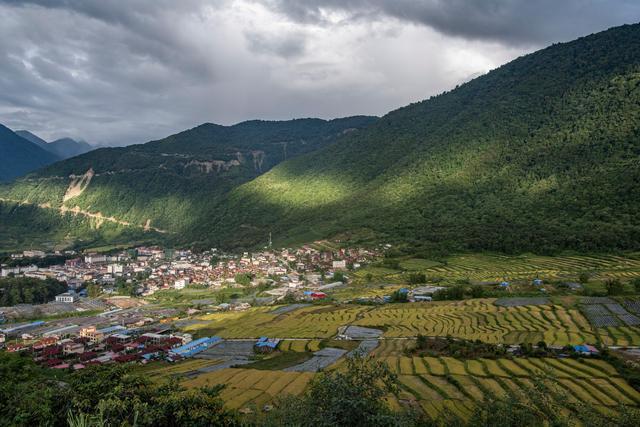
(494, 267)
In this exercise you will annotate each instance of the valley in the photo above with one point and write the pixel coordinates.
(470, 259)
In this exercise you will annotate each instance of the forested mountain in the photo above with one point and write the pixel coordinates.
(19, 156)
(160, 190)
(540, 154)
(63, 148)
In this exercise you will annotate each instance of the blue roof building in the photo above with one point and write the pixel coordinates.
(194, 347)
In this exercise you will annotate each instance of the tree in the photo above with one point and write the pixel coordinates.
(339, 276)
(477, 292)
(400, 296)
(243, 279)
(614, 287)
(635, 282)
(99, 396)
(350, 397)
(416, 278)
(94, 290)
(584, 277)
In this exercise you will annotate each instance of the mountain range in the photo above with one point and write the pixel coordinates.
(19, 156)
(22, 152)
(160, 190)
(541, 154)
(63, 148)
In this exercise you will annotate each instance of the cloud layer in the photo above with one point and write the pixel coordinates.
(120, 72)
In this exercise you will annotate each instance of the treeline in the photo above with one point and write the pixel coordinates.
(27, 290)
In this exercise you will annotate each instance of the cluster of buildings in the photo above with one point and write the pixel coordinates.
(150, 269)
(115, 336)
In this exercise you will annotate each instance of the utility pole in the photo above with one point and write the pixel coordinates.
(270, 242)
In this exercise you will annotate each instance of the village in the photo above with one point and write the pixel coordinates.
(104, 316)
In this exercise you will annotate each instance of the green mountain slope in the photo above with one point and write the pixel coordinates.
(19, 156)
(540, 154)
(158, 190)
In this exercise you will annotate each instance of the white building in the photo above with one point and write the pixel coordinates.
(33, 254)
(67, 297)
(95, 259)
(181, 283)
(115, 269)
(340, 264)
(18, 270)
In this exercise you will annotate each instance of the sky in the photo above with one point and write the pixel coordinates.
(118, 72)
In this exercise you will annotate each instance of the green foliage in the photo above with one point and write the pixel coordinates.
(243, 279)
(391, 263)
(125, 288)
(350, 397)
(26, 290)
(459, 348)
(94, 290)
(400, 296)
(99, 396)
(635, 282)
(451, 293)
(537, 155)
(614, 287)
(339, 276)
(416, 278)
(174, 183)
(584, 277)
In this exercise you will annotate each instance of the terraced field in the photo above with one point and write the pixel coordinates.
(299, 345)
(470, 319)
(498, 267)
(439, 383)
(494, 268)
(305, 322)
(252, 387)
(482, 319)
(164, 370)
(442, 382)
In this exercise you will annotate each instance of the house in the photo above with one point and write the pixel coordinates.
(504, 284)
(426, 291)
(537, 282)
(266, 345)
(585, 349)
(69, 297)
(318, 295)
(181, 283)
(339, 264)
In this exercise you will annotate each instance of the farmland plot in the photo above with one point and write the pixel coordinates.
(482, 319)
(247, 387)
(494, 268)
(447, 382)
(304, 322)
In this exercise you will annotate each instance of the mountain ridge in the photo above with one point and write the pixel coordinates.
(164, 185)
(538, 155)
(20, 156)
(466, 169)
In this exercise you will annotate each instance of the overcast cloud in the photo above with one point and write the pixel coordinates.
(121, 72)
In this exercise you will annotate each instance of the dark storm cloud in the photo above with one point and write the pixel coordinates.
(508, 21)
(127, 71)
